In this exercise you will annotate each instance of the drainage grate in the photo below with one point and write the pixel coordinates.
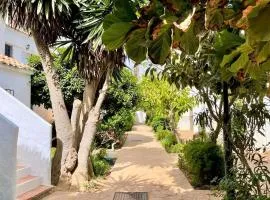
(130, 196)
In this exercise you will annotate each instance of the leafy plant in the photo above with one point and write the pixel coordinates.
(168, 141)
(160, 123)
(161, 100)
(177, 148)
(161, 134)
(118, 110)
(100, 164)
(70, 82)
(203, 162)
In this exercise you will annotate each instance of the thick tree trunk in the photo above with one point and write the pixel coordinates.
(84, 170)
(87, 104)
(62, 121)
(227, 137)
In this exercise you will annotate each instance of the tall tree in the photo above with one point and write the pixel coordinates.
(96, 65)
(45, 20)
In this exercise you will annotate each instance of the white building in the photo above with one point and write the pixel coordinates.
(25, 163)
(15, 48)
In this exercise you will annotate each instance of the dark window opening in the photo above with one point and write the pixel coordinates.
(8, 50)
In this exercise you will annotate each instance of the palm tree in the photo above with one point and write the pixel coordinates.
(46, 20)
(84, 46)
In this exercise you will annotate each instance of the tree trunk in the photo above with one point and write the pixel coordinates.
(227, 137)
(87, 104)
(84, 170)
(75, 121)
(62, 121)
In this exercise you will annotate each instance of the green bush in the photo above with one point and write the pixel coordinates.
(177, 148)
(204, 162)
(160, 123)
(100, 165)
(168, 142)
(118, 110)
(161, 134)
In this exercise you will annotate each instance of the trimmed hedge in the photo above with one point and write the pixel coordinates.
(203, 162)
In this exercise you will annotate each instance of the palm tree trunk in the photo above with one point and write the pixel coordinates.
(84, 170)
(62, 121)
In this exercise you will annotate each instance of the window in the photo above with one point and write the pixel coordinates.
(8, 50)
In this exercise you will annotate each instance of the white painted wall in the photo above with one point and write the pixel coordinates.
(8, 158)
(34, 140)
(140, 117)
(11, 78)
(18, 40)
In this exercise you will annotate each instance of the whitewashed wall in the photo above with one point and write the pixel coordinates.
(20, 82)
(34, 140)
(8, 158)
(140, 117)
(19, 40)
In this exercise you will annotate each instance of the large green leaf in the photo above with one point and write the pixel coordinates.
(240, 63)
(159, 49)
(225, 41)
(189, 42)
(258, 24)
(124, 10)
(136, 45)
(235, 54)
(264, 54)
(109, 20)
(115, 36)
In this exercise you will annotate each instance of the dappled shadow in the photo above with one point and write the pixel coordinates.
(144, 166)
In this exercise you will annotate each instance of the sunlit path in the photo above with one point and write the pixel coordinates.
(142, 166)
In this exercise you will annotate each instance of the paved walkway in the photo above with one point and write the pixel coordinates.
(142, 166)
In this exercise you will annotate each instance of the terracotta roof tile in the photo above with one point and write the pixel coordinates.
(13, 62)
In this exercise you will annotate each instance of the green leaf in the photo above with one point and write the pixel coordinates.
(136, 45)
(188, 40)
(109, 20)
(115, 36)
(264, 54)
(225, 41)
(159, 49)
(240, 63)
(228, 59)
(258, 23)
(124, 10)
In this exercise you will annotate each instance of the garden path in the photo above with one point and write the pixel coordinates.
(142, 166)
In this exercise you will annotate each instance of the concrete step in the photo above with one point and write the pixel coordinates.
(27, 183)
(36, 193)
(22, 171)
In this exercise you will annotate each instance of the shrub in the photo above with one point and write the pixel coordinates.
(177, 148)
(161, 134)
(203, 162)
(100, 165)
(118, 110)
(168, 141)
(160, 123)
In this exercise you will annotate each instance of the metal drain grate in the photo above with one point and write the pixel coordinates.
(130, 196)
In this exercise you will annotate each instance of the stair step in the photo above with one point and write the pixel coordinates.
(22, 171)
(36, 193)
(27, 183)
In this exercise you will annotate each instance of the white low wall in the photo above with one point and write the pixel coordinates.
(34, 140)
(140, 117)
(8, 158)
